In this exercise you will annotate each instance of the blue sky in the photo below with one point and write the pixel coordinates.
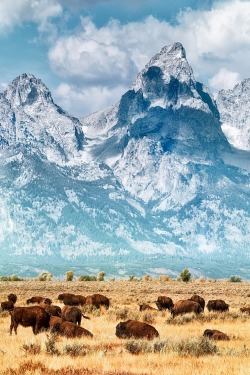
(88, 52)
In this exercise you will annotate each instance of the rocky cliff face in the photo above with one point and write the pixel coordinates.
(151, 181)
(30, 118)
(234, 107)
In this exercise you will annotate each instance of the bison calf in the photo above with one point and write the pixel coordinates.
(70, 330)
(138, 330)
(32, 316)
(214, 334)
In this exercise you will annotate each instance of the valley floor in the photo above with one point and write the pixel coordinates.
(180, 349)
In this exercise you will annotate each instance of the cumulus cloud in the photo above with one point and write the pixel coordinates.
(79, 101)
(108, 58)
(13, 13)
(224, 79)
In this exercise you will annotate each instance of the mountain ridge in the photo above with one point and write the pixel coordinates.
(151, 180)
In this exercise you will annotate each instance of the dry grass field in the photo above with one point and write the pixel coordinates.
(179, 350)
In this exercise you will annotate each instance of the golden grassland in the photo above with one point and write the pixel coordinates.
(106, 354)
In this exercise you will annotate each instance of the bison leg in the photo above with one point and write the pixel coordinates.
(13, 325)
(35, 329)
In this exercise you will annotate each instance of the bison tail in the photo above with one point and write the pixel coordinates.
(86, 317)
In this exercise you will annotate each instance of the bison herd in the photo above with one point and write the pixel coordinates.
(67, 321)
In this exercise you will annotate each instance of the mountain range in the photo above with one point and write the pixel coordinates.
(156, 183)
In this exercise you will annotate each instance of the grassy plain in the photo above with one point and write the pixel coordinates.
(106, 354)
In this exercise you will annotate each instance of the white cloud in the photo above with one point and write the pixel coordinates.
(13, 13)
(217, 44)
(79, 101)
(224, 79)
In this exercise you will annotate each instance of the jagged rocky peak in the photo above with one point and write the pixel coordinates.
(234, 107)
(29, 117)
(171, 62)
(168, 81)
(27, 89)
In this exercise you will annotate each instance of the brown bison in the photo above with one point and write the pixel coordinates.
(145, 307)
(53, 320)
(69, 330)
(72, 299)
(185, 307)
(12, 297)
(136, 329)
(164, 303)
(217, 305)
(52, 310)
(7, 305)
(245, 310)
(32, 316)
(97, 300)
(214, 334)
(63, 295)
(198, 299)
(72, 314)
(38, 299)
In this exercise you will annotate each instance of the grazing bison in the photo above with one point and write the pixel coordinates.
(217, 305)
(138, 330)
(214, 334)
(72, 299)
(32, 316)
(52, 310)
(185, 307)
(245, 310)
(198, 299)
(7, 305)
(38, 299)
(12, 297)
(164, 303)
(97, 300)
(145, 307)
(69, 330)
(72, 314)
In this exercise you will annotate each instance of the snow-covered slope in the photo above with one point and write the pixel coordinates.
(149, 185)
(234, 107)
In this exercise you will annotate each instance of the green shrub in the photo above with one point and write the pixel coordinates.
(50, 345)
(185, 275)
(69, 275)
(11, 278)
(31, 348)
(100, 276)
(196, 347)
(234, 279)
(45, 276)
(86, 278)
(138, 346)
(74, 350)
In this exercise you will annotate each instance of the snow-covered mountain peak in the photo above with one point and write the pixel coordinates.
(171, 63)
(29, 118)
(26, 89)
